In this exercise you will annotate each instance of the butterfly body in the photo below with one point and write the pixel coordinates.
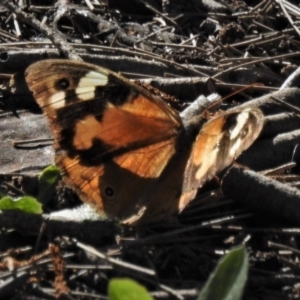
(124, 150)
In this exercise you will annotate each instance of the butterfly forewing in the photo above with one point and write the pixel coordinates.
(90, 107)
(219, 142)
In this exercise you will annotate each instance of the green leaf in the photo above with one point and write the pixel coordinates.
(50, 175)
(127, 289)
(26, 204)
(228, 279)
(48, 180)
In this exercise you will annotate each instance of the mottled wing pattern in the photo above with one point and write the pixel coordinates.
(220, 141)
(116, 187)
(87, 105)
(124, 150)
(109, 134)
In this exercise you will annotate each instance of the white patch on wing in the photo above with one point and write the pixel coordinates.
(93, 78)
(234, 148)
(207, 163)
(57, 100)
(110, 105)
(85, 93)
(241, 121)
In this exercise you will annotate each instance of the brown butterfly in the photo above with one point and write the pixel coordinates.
(123, 149)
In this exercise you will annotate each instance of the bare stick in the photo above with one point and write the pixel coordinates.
(62, 45)
(262, 194)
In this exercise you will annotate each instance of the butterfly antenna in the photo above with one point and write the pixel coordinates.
(230, 95)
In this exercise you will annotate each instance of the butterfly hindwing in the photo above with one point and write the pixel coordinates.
(116, 186)
(219, 142)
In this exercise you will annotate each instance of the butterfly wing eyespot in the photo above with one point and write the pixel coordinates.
(62, 84)
(220, 141)
(109, 192)
(244, 132)
(87, 106)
